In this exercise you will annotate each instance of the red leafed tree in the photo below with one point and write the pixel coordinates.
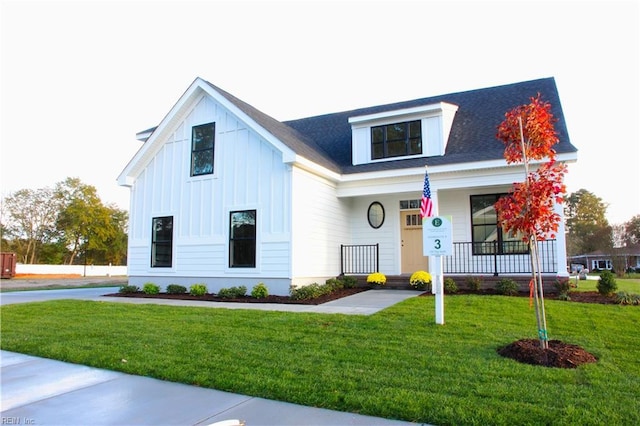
(528, 210)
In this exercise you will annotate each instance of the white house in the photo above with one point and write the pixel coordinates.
(225, 195)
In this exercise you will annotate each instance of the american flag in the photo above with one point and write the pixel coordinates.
(426, 205)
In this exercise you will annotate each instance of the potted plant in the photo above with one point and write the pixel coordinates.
(377, 279)
(420, 280)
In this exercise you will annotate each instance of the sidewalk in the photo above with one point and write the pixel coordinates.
(41, 391)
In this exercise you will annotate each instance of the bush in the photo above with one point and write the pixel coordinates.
(232, 292)
(127, 289)
(473, 283)
(176, 289)
(198, 290)
(306, 292)
(349, 281)
(507, 286)
(151, 288)
(260, 291)
(563, 285)
(334, 284)
(624, 298)
(450, 285)
(377, 278)
(607, 283)
(420, 280)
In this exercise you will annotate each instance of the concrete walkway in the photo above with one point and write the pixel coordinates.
(41, 391)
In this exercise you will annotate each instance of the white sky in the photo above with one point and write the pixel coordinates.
(79, 79)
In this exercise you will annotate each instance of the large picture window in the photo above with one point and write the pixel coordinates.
(202, 147)
(242, 239)
(396, 140)
(162, 242)
(487, 235)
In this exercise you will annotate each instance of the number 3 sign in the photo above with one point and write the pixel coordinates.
(437, 239)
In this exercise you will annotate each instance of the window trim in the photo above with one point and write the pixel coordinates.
(231, 241)
(382, 214)
(155, 242)
(407, 140)
(500, 242)
(212, 149)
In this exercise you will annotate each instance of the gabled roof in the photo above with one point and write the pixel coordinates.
(326, 139)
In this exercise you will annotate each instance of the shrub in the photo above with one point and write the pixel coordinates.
(232, 292)
(151, 288)
(607, 283)
(349, 281)
(624, 298)
(563, 285)
(260, 291)
(176, 289)
(507, 286)
(306, 292)
(377, 278)
(127, 289)
(420, 280)
(334, 284)
(473, 283)
(450, 285)
(198, 290)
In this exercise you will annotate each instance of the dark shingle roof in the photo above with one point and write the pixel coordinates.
(326, 139)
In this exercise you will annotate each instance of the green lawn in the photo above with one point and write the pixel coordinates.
(395, 364)
(629, 285)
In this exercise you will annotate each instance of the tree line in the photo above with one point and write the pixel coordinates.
(67, 224)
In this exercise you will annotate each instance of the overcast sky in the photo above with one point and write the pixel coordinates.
(79, 79)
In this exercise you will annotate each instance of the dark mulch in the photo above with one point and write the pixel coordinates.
(558, 354)
(247, 299)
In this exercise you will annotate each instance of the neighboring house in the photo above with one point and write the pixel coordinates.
(628, 256)
(225, 195)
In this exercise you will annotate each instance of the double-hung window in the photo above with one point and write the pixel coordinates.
(202, 148)
(162, 242)
(396, 140)
(487, 235)
(242, 239)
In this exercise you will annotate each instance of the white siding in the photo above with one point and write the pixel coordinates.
(320, 225)
(248, 174)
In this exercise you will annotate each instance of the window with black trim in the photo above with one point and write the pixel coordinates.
(162, 242)
(202, 144)
(396, 140)
(242, 239)
(375, 215)
(487, 236)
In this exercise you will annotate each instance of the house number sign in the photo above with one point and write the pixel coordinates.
(437, 236)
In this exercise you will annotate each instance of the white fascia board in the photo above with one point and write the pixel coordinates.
(287, 153)
(420, 110)
(312, 167)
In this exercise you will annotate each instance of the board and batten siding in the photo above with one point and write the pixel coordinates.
(320, 224)
(249, 174)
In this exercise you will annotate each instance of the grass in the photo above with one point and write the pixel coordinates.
(630, 285)
(396, 364)
(26, 287)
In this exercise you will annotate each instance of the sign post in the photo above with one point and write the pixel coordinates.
(437, 241)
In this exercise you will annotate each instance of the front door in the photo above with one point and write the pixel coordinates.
(411, 252)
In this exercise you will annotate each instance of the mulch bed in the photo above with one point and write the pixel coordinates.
(247, 299)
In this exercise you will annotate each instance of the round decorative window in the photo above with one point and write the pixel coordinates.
(375, 215)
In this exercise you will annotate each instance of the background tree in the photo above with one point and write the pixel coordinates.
(588, 228)
(31, 216)
(529, 209)
(632, 231)
(68, 224)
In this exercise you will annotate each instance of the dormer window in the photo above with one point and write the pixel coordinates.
(396, 140)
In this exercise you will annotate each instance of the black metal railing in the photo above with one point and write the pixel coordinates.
(359, 258)
(499, 258)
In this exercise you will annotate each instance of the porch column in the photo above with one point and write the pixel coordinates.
(561, 242)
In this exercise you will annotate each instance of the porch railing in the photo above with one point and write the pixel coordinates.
(359, 259)
(468, 258)
(494, 258)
